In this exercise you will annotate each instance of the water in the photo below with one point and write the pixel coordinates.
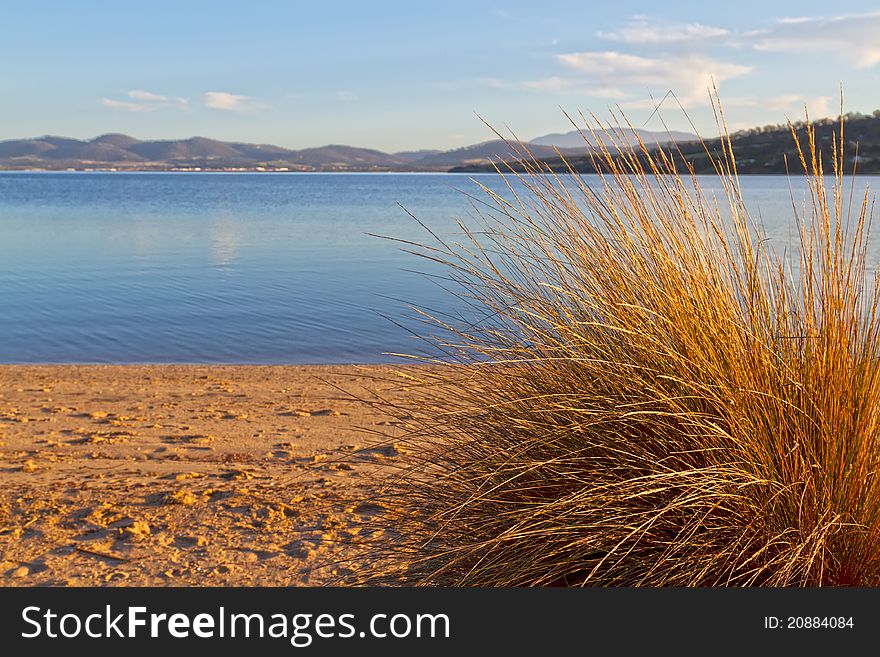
(233, 268)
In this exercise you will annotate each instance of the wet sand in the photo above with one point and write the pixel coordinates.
(187, 475)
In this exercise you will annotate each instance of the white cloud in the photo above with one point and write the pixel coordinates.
(792, 106)
(346, 96)
(140, 100)
(557, 84)
(223, 100)
(641, 31)
(795, 19)
(140, 94)
(689, 76)
(143, 101)
(686, 57)
(127, 106)
(851, 37)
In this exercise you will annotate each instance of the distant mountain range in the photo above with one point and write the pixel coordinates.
(765, 149)
(121, 152)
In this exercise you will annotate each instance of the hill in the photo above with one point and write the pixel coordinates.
(758, 150)
(123, 152)
(577, 139)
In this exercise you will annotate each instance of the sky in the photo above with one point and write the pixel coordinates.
(417, 75)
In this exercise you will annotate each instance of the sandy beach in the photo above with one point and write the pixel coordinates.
(185, 475)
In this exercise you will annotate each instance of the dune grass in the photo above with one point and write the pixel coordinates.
(652, 397)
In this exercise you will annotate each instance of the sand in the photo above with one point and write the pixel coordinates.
(186, 475)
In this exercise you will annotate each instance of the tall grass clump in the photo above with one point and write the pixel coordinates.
(651, 395)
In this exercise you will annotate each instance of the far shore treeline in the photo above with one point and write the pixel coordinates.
(762, 150)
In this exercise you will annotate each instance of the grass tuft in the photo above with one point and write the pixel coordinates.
(651, 396)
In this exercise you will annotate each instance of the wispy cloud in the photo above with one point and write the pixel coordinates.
(126, 105)
(613, 75)
(144, 101)
(140, 100)
(346, 96)
(793, 105)
(689, 76)
(148, 96)
(849, 37)
(223, 100)
(795, 19)
(687, 57)
(554, 84)
(644, 32)
(558, 84)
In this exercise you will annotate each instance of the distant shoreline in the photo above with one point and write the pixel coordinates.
(744, 174)
(232, 170)
(248, 171)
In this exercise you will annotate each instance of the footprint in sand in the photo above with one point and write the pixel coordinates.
(368, 509)
(199, 439)
(183, 497)
(302, 412)
(189, 541)
(183, 476)
(234, 415)
(139, 530)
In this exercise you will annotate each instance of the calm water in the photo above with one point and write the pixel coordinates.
(249, 268)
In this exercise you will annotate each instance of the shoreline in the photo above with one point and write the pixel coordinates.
(401, 172)
(187, 475)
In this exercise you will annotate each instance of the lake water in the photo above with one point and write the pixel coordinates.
(234, 268)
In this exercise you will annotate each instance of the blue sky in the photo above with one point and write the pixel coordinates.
(411, 75)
